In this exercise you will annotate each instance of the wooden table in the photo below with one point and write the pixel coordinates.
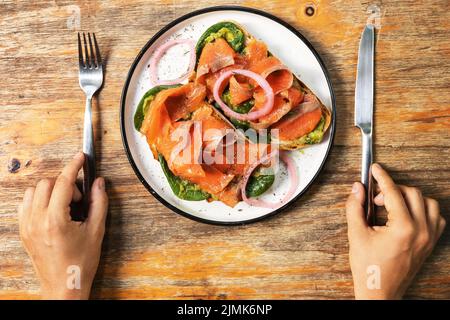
(151, 252)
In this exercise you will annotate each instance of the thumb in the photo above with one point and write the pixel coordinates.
(98, 206)
(356, 221)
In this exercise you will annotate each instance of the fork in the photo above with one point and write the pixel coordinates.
(91, 79)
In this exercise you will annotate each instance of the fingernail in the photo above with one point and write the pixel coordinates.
(376, 166)
(101, 183)
(355, 188)
(379, 197)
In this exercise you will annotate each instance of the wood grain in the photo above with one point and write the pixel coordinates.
(150, 252)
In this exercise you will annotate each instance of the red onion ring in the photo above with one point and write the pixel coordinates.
(160, 51)
(292, 188)
(268, 105)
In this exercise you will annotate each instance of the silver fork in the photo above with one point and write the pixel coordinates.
(91, 79)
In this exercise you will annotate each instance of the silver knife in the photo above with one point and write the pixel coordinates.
(364, 110)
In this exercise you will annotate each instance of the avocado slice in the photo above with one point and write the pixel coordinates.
(244, 107)
(316, 135)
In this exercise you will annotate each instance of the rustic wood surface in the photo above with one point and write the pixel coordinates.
(150, 252)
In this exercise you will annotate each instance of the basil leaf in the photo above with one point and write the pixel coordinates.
(226, 30)
(258, 184)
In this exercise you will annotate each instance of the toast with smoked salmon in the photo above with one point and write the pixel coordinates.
(279, 101)
(173, 118)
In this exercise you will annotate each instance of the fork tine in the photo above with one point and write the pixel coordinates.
(97, 52)
(91, 50)
(80, 52)
(86, 52)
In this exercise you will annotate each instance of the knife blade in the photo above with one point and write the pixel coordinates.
(364, 93)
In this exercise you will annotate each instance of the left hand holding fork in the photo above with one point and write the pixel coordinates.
(65, 253)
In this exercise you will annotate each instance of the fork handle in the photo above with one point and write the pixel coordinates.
(89, 152)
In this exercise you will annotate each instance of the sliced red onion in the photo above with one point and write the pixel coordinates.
(160, 51)
(268, 105)
(292, 188)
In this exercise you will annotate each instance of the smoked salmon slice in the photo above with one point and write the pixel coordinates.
(231, 195)
(211, 78)
(180, 151)
(215, 56)
(181, 103)
(283, 103)
(255, 51)
(275, 73)
(214, 181)
(185, 162)
(302, 120)
(240, 91)
(170, 105)
(269, 67)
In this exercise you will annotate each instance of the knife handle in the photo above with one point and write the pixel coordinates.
(366, 176)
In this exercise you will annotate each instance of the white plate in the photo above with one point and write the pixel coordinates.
(285, 42)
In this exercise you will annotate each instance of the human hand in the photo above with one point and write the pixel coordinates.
(397, 249)
(58, 246)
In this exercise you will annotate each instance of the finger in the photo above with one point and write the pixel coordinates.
(64, 189)
(442, 224)
(71, 170)
(27, 205)
(393, 199)
(98, 206)
(414, 201)
(42, 195)
(433, 216)
(379, 199)
(77, 195)
(356, 219)
(416, 205)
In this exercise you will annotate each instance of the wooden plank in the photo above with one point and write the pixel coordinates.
(150, 252)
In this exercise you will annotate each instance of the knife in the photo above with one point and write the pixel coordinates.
(364, 111)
